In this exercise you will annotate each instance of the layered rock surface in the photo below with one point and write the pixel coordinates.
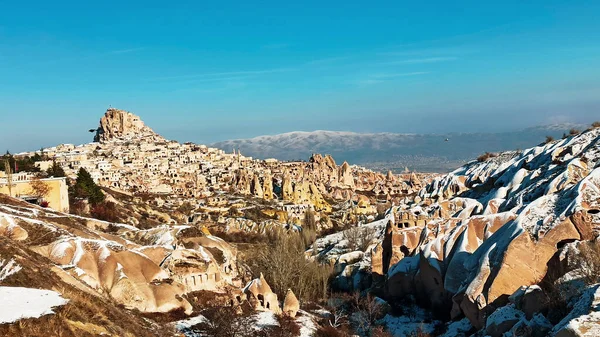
(123, 125)
(473, 237)
(149, 270)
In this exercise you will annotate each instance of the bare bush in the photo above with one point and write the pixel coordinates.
(549, 139)
(287, 327)
(596, 124)
(309, 221)
(329, 331)
(284, 265)
(39, 188)
(225, 322)
(359, 238)
(106, 211)
(368, 311)
(574, 132)
(364, 310)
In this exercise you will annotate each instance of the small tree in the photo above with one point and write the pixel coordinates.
(309, 221)
(86, 188)
(56, 170)
(39, 188)
(8, 171)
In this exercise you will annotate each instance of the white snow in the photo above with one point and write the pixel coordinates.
(185, 324)
(307, 324)
(18, 303)
(7, 269)
(265, 319)
(458, 328)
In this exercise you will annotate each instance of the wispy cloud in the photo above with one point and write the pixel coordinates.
(221, 75)
(423, 60)
(125, 51)
(327, 60)
(276, 46)
(395, 75)
(428, 51)
(386, 77)
(368, 81)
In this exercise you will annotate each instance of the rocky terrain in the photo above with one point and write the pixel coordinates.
(394, 151)
(192, 240)
(500, 246)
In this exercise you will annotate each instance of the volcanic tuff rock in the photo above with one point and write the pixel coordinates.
(291, 305)
(148, 270)
(121, 124)
(261, 296)
(475, 236)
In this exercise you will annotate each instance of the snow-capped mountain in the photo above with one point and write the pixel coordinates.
(421, 152)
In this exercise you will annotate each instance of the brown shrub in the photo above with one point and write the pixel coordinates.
(287, 328)
(549, 139)
(225, 322)
(596, 124)
(486, 156)
(330, 331)
(574, 132)
(106, 211)
(39, 188)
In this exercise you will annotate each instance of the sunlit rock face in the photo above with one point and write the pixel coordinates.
(261, 297)
(470, 239)
(123, 125)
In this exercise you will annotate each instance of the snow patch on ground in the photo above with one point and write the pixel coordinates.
(19, 303)
(187, 324)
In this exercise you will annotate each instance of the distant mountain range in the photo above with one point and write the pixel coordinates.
(393, 151)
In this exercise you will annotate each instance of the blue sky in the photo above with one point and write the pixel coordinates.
(208, 71)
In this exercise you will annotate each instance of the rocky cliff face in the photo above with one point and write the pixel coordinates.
(474, 237)
(122, 125)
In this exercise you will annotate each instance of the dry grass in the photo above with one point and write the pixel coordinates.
(38, 235)
(309, 280)
(486, 156)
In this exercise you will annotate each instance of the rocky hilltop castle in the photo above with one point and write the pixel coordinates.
(129, 157)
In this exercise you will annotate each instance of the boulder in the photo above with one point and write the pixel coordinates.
(260, 295)
(291, 305)
(502, 320)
